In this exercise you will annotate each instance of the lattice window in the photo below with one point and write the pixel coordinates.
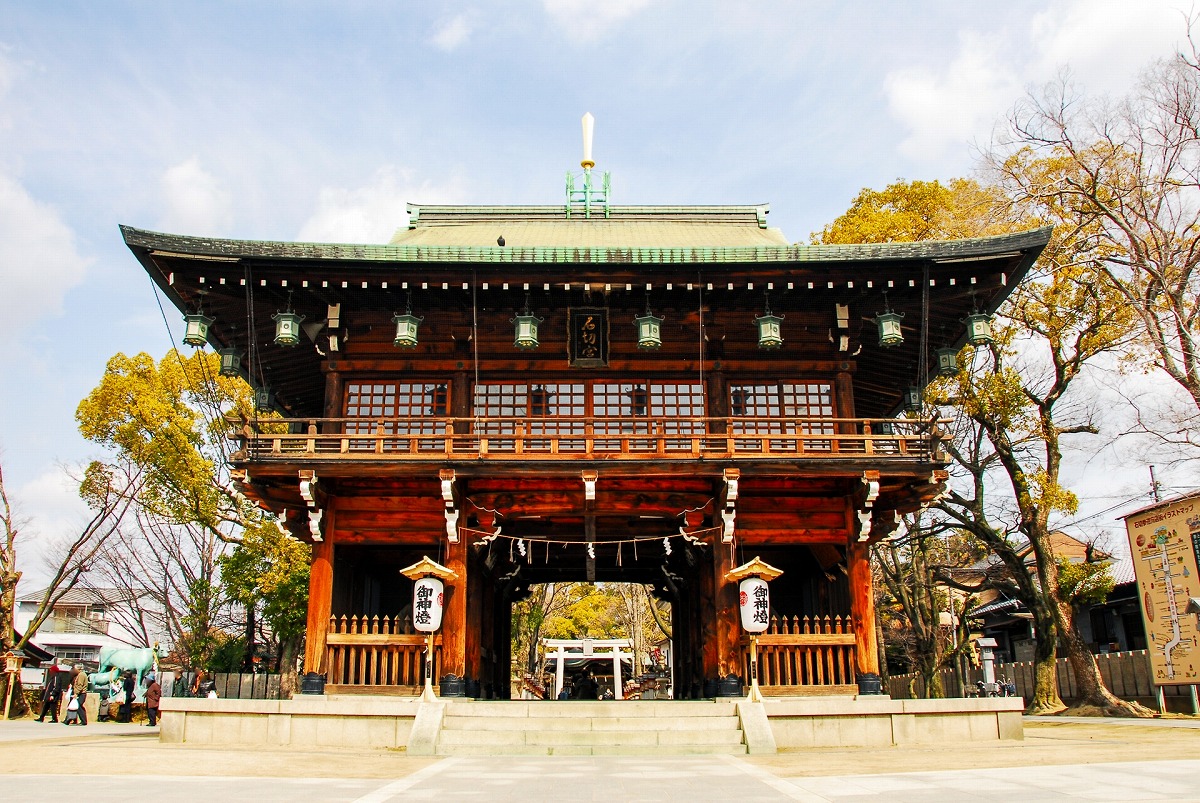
(409, 408)
(783, 408)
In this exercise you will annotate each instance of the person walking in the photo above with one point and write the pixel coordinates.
(51, 694)
(153, 695)
(80, 686)
(125, 712)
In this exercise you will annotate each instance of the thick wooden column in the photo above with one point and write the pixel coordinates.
(320, 600)
(334, 391)
(727, 624)
(474, 622)
(454, 618)
(862, 617)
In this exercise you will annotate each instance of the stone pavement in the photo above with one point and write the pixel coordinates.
(1058, 760)
(26, 730)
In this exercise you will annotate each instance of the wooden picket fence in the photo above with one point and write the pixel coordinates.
(804, 655)
(1126, 674)
(377, 654)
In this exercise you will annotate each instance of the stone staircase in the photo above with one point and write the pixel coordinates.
(578, 728)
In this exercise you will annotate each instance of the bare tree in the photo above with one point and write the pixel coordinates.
(1128, 173)
(110, 494)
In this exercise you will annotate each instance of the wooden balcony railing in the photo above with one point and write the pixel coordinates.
(803, 655)
(574, 438)
(375, 652)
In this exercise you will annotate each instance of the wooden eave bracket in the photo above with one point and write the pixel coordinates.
(315, 499)
(589, 485)
(865, 498)
(728, 504)
(451, 500)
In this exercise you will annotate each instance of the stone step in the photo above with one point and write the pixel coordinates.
(636, 738)
(568, 723)
(583, 708)
(589, 750)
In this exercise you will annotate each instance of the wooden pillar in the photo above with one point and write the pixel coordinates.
(727, 617)
(474, 621)
(320, 600)
(454, 618)
(334, 391)
(862, 618)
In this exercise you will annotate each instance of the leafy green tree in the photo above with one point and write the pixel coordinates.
(199, 543)
(268, 573)
(1013, 405)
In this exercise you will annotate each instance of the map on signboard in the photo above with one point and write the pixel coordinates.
(1165, 543)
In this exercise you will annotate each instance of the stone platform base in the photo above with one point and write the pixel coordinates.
(391, 722)
(313, 720)
(880, 721)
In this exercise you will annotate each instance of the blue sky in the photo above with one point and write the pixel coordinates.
(319, 121)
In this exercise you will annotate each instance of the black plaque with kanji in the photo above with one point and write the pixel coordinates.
(587, 345)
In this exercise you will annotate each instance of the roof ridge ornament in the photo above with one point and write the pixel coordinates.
(587, 193)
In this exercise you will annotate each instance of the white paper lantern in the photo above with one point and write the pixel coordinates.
(428, 602)
(754, 602)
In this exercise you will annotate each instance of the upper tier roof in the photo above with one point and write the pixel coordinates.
(623, 227)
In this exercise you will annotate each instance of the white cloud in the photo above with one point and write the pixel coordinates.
(452, 33)
(51, 508)
(1104, 43)
(38, 260)
(945, 109)
(372, 213)
(588, 19)
(194, 201)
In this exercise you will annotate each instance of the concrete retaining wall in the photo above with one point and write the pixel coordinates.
(879, 722)
(321, 721)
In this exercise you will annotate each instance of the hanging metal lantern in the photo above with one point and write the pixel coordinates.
(770, 333)
(428, 603)
(231, 361)
(525, 335)
(888, 322)
(649, 329)
(406, 327)
(195, 331)
(979, 328)
(263, 398)
(947, 361)
(912, 399)
(754, 603)
(287, 327)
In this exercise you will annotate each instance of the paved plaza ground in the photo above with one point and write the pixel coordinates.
(1060, 759)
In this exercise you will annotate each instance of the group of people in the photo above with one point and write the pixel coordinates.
(74, 685)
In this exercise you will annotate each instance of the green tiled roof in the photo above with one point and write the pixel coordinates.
(225, 249)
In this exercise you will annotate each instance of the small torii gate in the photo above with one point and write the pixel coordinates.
(586, 648)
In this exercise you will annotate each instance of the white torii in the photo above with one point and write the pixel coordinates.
(586, 648)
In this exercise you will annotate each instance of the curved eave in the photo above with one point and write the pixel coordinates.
(1028, 243)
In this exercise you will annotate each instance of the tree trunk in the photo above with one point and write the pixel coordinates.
(1045, 667)
(289, 649)
(1088, 680)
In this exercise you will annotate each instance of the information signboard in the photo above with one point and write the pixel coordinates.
(1165, 542)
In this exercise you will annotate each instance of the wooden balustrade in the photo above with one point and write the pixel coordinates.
(572, 438)
(364, 653)
(804, 655)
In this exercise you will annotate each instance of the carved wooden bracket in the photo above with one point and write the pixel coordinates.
(728, 500)
(450, 498)
(866, 496)
(313, 497)
(589, 486)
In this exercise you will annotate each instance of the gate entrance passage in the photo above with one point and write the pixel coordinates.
(588, 393)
